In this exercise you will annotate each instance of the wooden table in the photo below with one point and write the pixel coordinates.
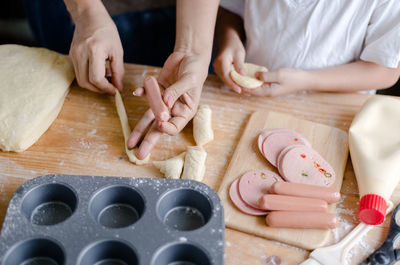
(86, 139)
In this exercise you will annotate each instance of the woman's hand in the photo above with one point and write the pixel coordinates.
(180, 83)
(96, 40)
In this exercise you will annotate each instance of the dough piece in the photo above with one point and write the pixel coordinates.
(254, 184)
(34, 84)
(126, 130)
(171, 168)
(249, 80)
(202, 126)
(239, 203)
(195, 163)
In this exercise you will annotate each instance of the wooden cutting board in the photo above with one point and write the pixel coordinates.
(331, 143)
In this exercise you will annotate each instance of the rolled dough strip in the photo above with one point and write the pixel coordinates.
(276, 142)
(171, 168)
(195, 163)
(126, 130)
(239, 203)
(34, 84)
(254, 184)
(330, 195)
(249, 80)
(302, 164)
(270, 202)
(306, 220)
(202, 126)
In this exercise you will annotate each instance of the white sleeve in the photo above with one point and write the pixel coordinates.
(234, 6)
(382, 41)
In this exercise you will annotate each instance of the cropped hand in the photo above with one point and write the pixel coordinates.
(96, 40)
(232, 54)
(280, 82)
(180, 84)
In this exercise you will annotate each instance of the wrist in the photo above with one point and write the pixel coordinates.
(82, 10)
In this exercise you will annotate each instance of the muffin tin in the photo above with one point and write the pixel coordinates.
(92, 220)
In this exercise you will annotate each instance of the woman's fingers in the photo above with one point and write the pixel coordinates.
(153, 94)
(140, 129)
(97, 72)
(148, 142)
(117, 69)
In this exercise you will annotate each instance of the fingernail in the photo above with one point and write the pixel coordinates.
(143, 147)
(164, 116)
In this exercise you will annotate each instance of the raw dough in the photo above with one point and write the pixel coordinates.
(195, 163)
(34, 84)
(249, 80)
(171, 168)
(126, 130)
(202, 126)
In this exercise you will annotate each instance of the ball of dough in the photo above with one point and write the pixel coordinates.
(249, 80)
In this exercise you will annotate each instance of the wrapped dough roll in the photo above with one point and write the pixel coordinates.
(195, 163)
(202, 126)
(171, 168)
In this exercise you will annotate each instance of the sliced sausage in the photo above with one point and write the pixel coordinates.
(239, 203)
(253, 184)
(277, 141)
(302, 164)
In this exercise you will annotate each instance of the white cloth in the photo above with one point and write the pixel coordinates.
(313, 34)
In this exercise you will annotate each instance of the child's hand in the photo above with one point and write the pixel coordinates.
(280, 82)
(232, 54)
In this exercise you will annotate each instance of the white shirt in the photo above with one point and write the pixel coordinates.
(312, 34)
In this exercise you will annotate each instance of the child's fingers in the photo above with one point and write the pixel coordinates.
(238, 62)
(268, 77)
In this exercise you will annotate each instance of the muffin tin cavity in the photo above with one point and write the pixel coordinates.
(49, 204)
(117, 206)
(109, 253)
(37, 251)
(184, 209)
(95, 220)
(181, 254)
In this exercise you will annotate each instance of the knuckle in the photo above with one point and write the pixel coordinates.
(94, 80)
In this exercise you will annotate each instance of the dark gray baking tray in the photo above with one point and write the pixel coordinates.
(91, 220)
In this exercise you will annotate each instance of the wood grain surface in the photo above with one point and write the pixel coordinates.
(86, 139)
(330, 142)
